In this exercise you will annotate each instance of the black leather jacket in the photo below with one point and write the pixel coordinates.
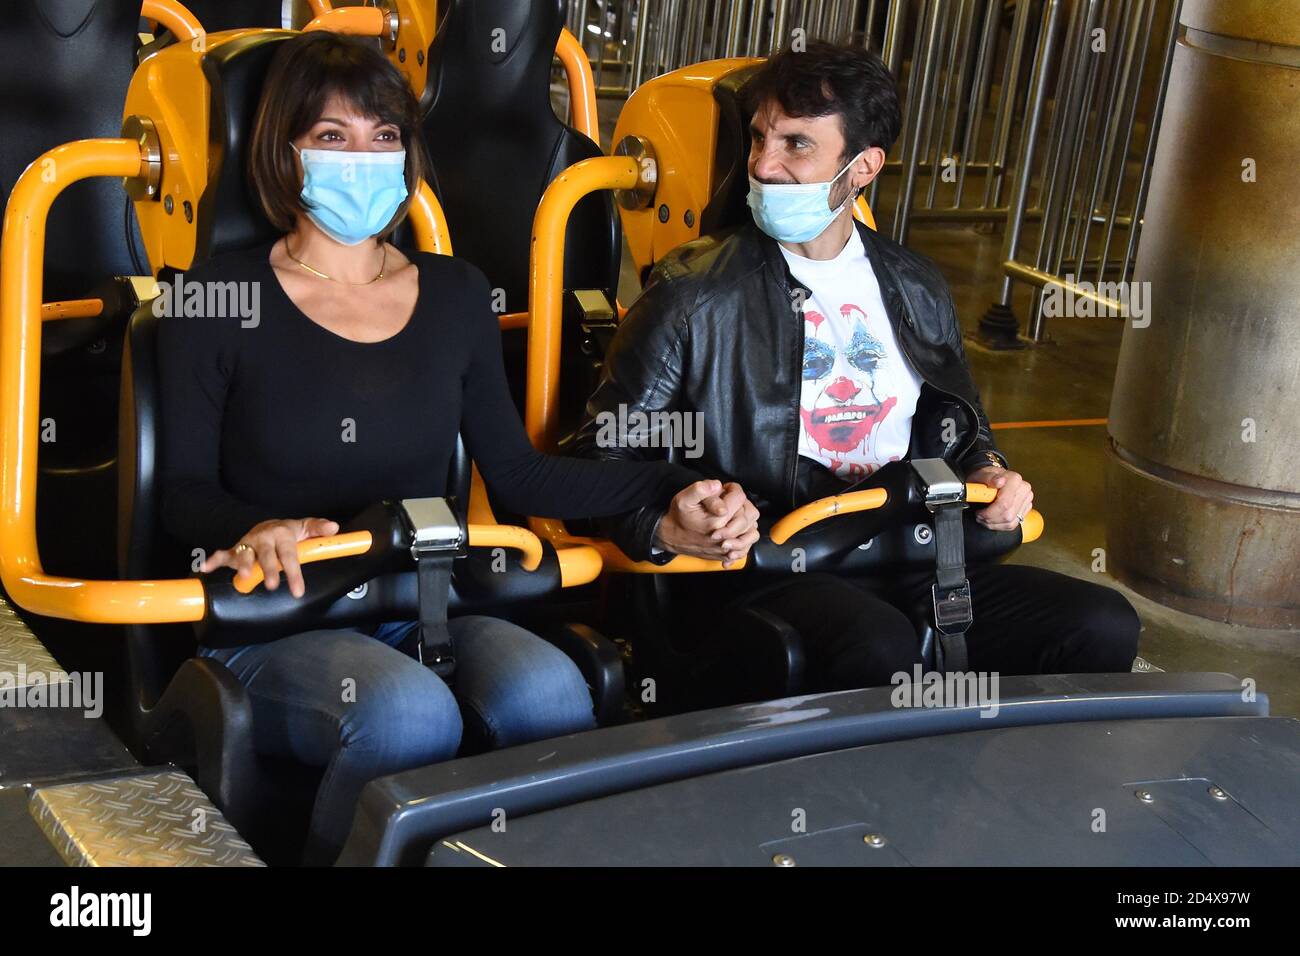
(718, 330)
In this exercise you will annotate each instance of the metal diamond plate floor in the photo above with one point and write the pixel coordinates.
(154, 819)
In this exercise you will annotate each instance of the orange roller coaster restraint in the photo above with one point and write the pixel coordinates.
(174, 16)
(356, 21)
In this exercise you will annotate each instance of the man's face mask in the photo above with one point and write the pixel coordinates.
(350, 195)
(795, 212)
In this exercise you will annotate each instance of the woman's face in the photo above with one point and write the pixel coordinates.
(341, 127)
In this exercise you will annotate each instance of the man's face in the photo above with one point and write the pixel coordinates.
(807, 149)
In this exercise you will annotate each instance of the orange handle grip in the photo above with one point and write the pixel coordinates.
(815, 511)
(71, 309)
(311, 550)
(1031, 529)
(358, 542)
(508, 536)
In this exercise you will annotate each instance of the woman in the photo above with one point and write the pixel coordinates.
(351, 385)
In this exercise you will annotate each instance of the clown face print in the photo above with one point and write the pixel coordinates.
(841, 404)
(857, 391)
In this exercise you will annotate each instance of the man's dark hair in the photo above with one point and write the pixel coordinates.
(824, 79)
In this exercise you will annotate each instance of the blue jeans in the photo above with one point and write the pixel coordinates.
(362, 709)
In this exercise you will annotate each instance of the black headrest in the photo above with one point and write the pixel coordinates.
(218, 15)
(727, 199)
(496, 144)
(64, 68)
(230, 216)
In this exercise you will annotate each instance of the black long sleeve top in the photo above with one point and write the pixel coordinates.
(266, 414)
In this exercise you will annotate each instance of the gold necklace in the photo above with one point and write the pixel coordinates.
(382, 263)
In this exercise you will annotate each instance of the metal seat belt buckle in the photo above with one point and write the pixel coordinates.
(952, 608)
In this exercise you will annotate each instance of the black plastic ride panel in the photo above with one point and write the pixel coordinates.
(1166, 792)
(400, 817)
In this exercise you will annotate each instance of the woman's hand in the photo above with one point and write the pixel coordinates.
(273, 545)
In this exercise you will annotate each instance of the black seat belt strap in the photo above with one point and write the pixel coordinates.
(437, 537)
(945, 498)
(436, 648)
(951, 592)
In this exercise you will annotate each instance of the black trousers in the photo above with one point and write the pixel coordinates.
(859, 633)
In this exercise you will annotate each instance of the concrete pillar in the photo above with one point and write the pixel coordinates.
(1203, 464)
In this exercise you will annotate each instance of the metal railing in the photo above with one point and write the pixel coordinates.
(1036, 116)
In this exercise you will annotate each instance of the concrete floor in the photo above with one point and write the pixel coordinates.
(1070, 378)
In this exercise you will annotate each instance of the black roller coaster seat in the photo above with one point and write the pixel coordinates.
(64, 67)
(217, 15)
(496, 144)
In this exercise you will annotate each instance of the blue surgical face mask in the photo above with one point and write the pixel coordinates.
(795, 212)
(352, 195)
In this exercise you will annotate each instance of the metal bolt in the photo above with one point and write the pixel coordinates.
(663, 212)
(874, 840)
(1146, 796)
(189, 211)
(689, 218)
(922, 534)
(783, 859)
(1218, 793)
(419, 57)
(401, 55)
(168, 204)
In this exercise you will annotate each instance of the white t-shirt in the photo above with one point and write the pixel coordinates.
(859, 391)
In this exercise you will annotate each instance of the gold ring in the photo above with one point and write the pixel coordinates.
(242, 547)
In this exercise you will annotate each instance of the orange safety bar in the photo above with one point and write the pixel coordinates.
(22, 264)
(72, 309)
(815, 511)
(582, 86)
(546, 281)
(357, 21)
(358, 542)
(319, 7)
(580, 563)
(872, 498)
(429, 222)
(174, 16)
(310, 551)
(1031, 529)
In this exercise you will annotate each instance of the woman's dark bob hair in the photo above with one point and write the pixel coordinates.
(304, 74)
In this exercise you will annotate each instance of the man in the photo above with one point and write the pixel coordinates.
(816, 351)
